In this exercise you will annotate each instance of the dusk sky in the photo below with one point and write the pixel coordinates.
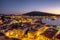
(23, 6)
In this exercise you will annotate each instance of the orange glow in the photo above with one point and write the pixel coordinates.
(29, 36)
(1, 22)
(14, 33)
(53, 11)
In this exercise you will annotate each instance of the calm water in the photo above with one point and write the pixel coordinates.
(51, 22)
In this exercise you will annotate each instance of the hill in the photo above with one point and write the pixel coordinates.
(36, 13)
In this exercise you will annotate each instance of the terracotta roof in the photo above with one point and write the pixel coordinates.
(58, 36)
(49, 33)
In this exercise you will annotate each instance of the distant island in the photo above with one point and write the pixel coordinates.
(37, 13)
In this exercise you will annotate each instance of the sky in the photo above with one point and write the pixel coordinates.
(23, 6)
